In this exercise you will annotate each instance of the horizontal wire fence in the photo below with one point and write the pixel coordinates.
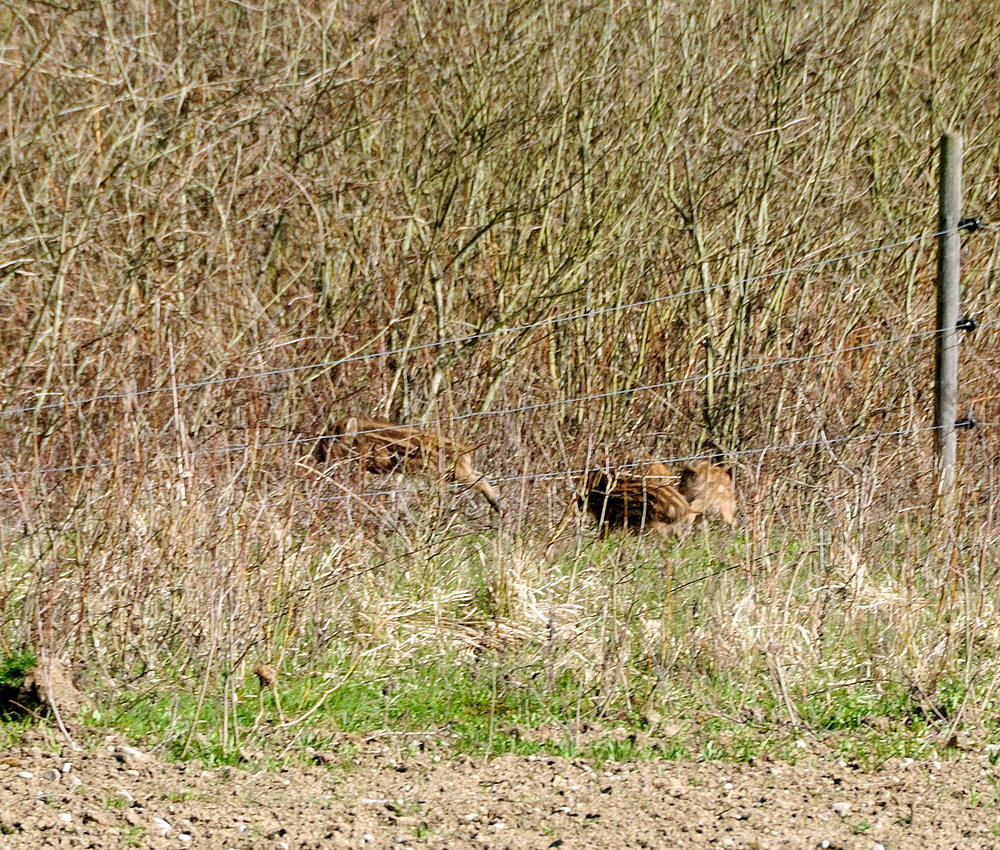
(817, 358)
(732, 455)
(477, 337)
(679, 460)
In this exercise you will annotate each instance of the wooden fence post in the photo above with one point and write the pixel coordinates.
(946, 353)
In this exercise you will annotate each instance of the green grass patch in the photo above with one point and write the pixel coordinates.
(14, 668)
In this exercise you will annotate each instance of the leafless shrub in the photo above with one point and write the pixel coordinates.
(557, 221)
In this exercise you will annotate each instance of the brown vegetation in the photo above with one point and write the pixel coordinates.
(579, 226)
(387, 447)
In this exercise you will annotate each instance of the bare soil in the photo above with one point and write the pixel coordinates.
(113, 795)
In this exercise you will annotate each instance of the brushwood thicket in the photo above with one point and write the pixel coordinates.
(559, 231)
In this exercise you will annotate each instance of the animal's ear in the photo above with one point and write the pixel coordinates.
(350, 428)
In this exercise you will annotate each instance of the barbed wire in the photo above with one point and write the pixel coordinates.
(479, 336)
(662, 385)
(526, 408)
(675, 460)
(693, 379)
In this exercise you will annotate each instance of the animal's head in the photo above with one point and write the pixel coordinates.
(710, 487)
(326, 446)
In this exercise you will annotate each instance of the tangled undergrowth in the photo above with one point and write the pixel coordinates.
(563, 233)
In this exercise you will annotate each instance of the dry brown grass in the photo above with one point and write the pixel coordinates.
(222, 221)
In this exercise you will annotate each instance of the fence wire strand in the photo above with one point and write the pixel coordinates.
(672, 461)
(476, 337)
(816, 357)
